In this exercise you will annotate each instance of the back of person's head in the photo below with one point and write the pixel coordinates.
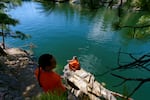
(45, 60)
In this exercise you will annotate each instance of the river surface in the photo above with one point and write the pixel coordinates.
(66, 30)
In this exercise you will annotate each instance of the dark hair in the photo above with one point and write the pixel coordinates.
(44, 60)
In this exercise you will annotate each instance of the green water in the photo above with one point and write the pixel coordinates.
(69, 30)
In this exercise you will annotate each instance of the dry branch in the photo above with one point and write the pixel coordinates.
(140, 80)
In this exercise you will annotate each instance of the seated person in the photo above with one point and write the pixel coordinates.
(49, 80)
(74, 64)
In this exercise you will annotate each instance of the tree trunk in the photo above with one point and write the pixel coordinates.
(119, 8)
(3, 38)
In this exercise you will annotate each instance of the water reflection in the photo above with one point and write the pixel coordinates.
(101, 30)
(67, 10)
(46, 7)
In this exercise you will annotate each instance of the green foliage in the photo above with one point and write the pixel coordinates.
(142, 4)
(2, 6)
(144, 20)
(143, 32)
(12, 2)
(50, 96)
(6, 20)
(140, 29)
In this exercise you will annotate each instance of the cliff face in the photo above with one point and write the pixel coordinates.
(17, 80)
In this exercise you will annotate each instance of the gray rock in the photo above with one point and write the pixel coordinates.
(17, 78)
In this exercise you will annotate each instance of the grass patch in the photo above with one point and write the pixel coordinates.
(51, 96)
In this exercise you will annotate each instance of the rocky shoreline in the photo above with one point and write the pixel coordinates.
(17, 80)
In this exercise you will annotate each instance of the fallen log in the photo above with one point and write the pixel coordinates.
(84, 86)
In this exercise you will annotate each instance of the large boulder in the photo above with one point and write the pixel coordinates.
(17, 80)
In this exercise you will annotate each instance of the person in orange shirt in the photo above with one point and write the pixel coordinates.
(74, 64)
(49, 80)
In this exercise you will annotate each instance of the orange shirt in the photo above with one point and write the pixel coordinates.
(50, 81)
(74, 64)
